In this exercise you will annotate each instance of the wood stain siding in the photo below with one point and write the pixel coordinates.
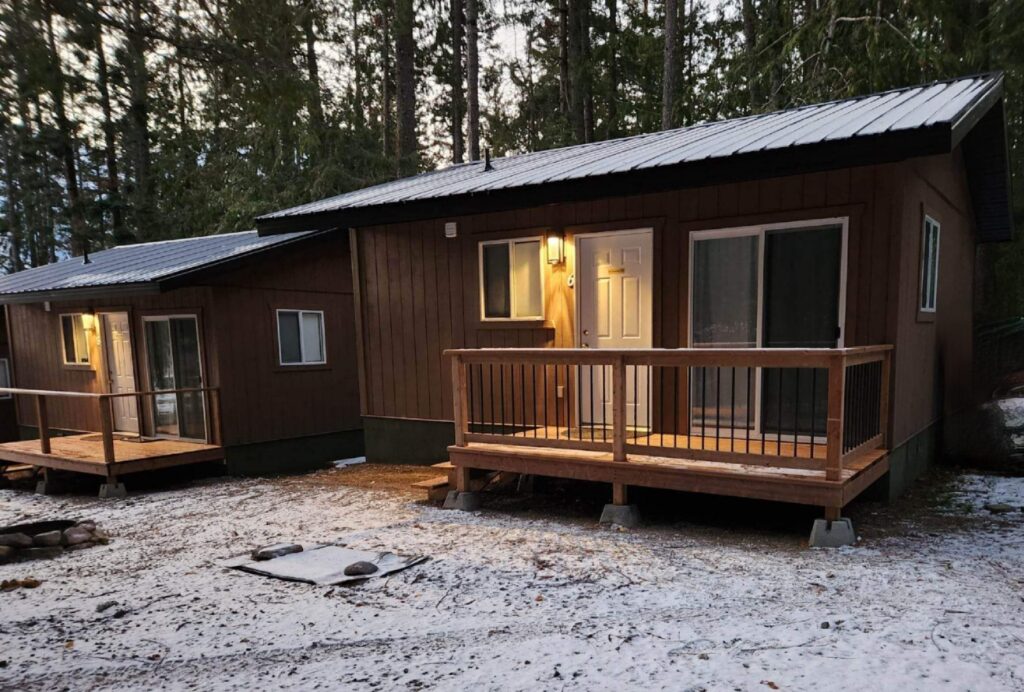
(261, 401)
(422, 290)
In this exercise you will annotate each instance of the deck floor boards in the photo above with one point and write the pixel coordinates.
(84, 454)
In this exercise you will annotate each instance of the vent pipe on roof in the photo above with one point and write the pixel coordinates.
(85, 251)
(487, 160)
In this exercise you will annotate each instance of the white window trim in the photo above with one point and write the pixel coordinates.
(302, 343)
(5, 365)
(923, 294)
(63, 351)
(512, 290)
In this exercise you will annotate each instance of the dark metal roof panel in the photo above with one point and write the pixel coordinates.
(143, 263)
(924, 107)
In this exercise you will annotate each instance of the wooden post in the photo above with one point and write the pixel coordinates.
(43, 421)
(462, 483)
(107, 427)
(139, 415)
(834, 429)
(460, 400)
(619, 410)
(883, 405)
(620, 494)
(215, 435)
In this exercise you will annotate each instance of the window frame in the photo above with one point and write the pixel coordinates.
(923, 307)
(87, 363)
(5, 367)
(302, 344)
(510, 242)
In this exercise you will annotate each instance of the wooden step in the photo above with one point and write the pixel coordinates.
(436, 488)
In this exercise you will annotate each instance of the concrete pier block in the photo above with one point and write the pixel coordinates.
(467, 502)
(623, 515)
(111, 491)
(826, 534)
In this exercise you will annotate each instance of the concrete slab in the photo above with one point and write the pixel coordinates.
(825, 534)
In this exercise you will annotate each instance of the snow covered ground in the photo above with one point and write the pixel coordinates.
(514, 600)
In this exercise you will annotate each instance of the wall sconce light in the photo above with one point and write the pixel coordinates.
(556, 247)
(89, 321)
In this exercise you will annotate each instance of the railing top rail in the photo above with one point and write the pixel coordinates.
(98, 395)
(736, 357)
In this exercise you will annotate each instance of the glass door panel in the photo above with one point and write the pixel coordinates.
(724, 315)
(172, 345)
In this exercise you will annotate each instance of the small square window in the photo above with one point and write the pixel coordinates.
(929, 264)
(300, 337)
(75, 339)
(511, 280)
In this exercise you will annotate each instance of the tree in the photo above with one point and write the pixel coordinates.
(473, 78)
(670, 69)
(405, 82)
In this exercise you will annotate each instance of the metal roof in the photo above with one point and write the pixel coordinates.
(144, 266)
(944, 111)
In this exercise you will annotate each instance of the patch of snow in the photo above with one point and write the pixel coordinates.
(342, 463)
(1013, 412)
(507, 602)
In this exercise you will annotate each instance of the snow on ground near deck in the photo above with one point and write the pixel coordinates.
(507, 602)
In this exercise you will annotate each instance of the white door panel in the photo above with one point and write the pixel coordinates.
(615, 282)
(117, 341)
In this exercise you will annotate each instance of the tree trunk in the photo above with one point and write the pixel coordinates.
(612, 122)
(316, 109)
(750, 50)
(121, 235)
(563, 58)
(79, 237)
(405, 86)
(670, 69)
(138, 118)
(579, 82)
(457, 20)
(387, 121)
(473, 79)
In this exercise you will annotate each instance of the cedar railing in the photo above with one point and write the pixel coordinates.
(104, 403)
(800, 408)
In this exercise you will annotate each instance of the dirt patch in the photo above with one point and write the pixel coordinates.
(395, 478)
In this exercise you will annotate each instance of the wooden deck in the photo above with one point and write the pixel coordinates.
(757, 481)
(85, 454)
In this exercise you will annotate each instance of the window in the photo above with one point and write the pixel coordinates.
(929, 264)
(76, 343)
(300, 337)
(511, 280)
(5, 377)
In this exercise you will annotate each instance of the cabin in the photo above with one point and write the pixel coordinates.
(777, 306)
(228, 348)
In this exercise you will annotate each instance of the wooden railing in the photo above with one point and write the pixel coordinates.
(802, 408)
(104, 403)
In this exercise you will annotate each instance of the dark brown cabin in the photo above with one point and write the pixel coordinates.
(229, 347)
(778, 306)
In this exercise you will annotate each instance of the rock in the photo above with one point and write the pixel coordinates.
(6, 553)
(42, 553)
(269, 552)
(360, 569)
(76, 535)
(16, 540)
(11, 584)
(106, 605)
(999, 508)
(88, 525)
(825, 625)
(100, 536)
(47, 539)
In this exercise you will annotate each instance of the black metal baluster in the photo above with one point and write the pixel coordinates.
(558, 418)
(750, 413)
(718, 403)
(501, 375)
(732, 409)
(590, 376)
(636, 399)
(703, 405)
(522, 393)
(675, 407)
(661, 405)
(778, 441)
(796, 415)
(544, 374)
(604, 405)
(490, 390)
(814, 407)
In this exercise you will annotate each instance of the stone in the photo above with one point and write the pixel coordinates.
(825, 534)
(360, 569)
(269, 552)
(42, 553)
(47, 539)
(88, 525)
(76, 535)
(999, 508)
(621, 515)
(6, 553)
(467, 502)
(112, 491)
(16, 540)
(100, 536)
(11, 584)
(106, 605)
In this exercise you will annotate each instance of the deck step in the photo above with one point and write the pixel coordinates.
(436, 488)
(444, 466)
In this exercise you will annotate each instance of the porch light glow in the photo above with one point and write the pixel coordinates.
(556, 247)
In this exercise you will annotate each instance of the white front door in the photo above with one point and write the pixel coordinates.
(614, 274)
(117, 340)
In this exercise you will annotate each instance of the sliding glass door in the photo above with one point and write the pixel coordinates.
(172, 348)
(764, 287)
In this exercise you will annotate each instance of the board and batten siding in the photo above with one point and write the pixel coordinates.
(420, 290)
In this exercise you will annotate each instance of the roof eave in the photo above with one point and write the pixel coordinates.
(81, 293)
